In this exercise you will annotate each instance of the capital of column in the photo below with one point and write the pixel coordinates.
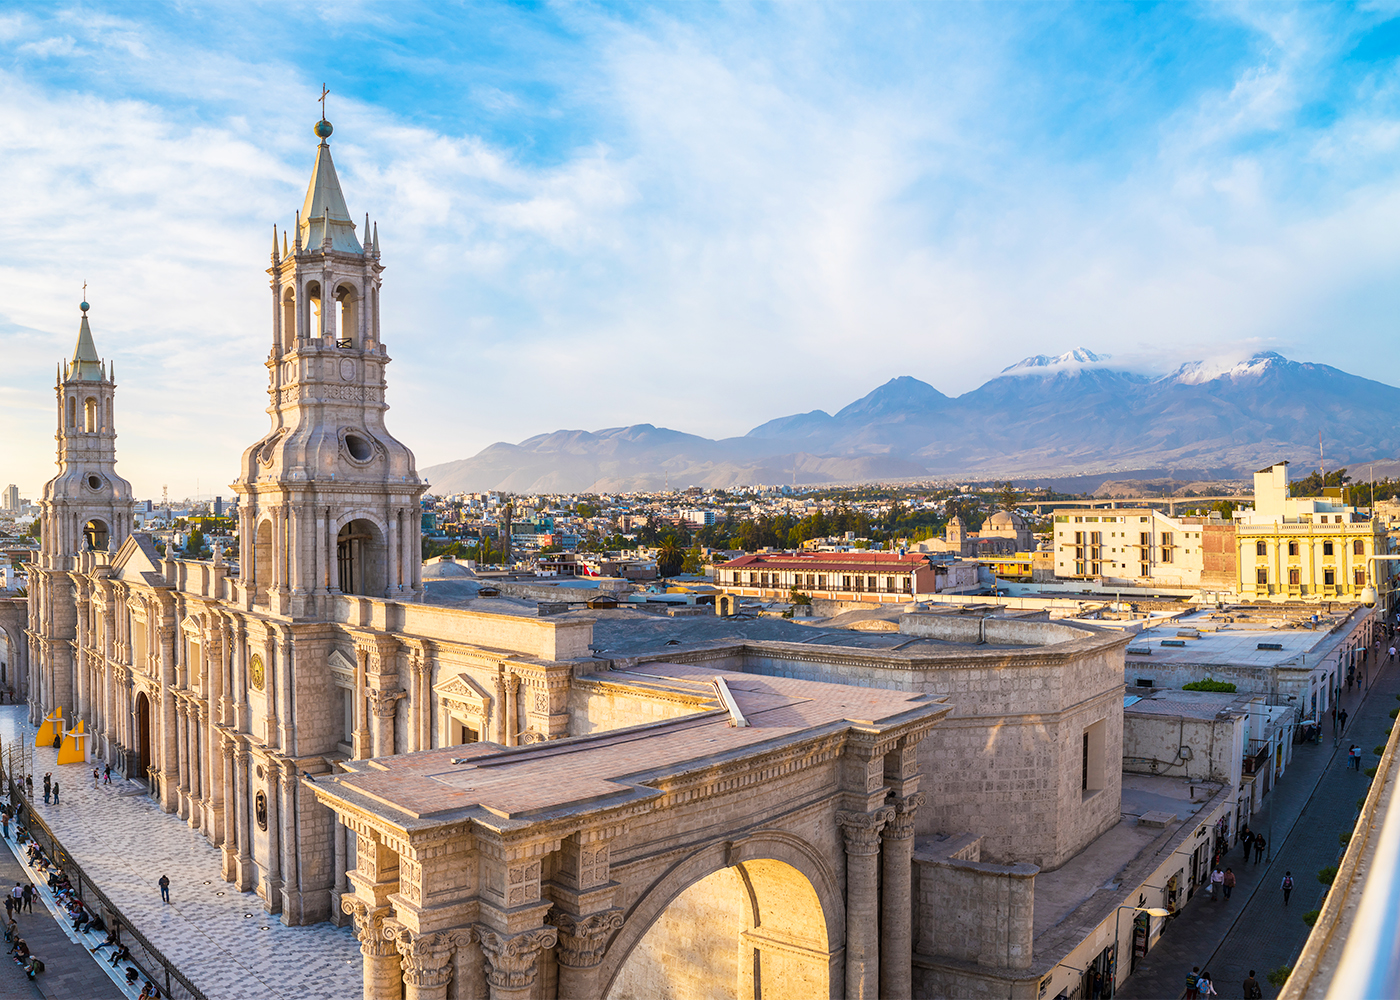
(582, 940)
(513, 960)
(426, 959)
(369, 927)
(901, 825)
(383, 703)
(862, 830)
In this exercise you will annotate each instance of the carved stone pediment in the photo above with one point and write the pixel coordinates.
(464, 694)
(342, 667)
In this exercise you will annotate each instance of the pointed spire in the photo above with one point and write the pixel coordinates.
(325, 203)
(297, 238)
(274, 243)
(369, 246)
(376, 238)
(86, 365)
(284, 243)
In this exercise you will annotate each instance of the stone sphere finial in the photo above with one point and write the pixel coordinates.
(323, 129)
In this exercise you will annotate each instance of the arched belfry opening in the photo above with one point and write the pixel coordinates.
(359, 558)
(289, 319)
(753, 931)
(313, 299)
(348, 330)
(96, 535)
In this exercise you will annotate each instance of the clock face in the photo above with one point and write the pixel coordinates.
(256, 673)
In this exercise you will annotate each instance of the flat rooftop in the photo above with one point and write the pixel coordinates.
(1203, 705)
(491, 783)
(1233, 639)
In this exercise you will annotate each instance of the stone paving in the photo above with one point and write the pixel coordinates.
(1314, 802)
(220, 939)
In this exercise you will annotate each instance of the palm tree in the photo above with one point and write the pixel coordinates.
(670, 556)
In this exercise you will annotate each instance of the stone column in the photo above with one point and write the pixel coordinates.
(341, 885)
(286, 696)
(896, 903)
(243, 804)
(241, 720)
(500, 709)
(862, 833)
(384, 704)
(582, 941)
(182, 744)
(169, 756)
(383, 979)
(393, 559)
(362, 737)
(426, 961)
(514, 960)
(512, 709)
(232, 836)
(287, 817)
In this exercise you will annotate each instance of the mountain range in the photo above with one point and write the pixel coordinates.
(1045, 416)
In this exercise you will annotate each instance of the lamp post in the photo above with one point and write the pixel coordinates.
(1151, 911)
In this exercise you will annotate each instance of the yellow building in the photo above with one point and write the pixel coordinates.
(1304, 547)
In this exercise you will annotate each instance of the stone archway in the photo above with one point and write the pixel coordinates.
(143, 733)
(752, 930)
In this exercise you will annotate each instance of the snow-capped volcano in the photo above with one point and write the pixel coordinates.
(1039, 363)
(1200, 372)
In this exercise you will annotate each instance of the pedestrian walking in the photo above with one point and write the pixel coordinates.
(1287, 886)
(1392, 652)
(1228, 882)
(165, 888)
(107, 775)
(1243, 836)
(1252, 989)
(9, 908)
(1205, 988)
(5, 822)
(48, 783)
(27, 896)
(1217, 881)
(55, 791)
(1259, 844)
(29, 786)
(1343, 718)
(95, 776)
(1192, 978)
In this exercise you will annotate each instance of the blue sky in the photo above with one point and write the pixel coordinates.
(696, 215)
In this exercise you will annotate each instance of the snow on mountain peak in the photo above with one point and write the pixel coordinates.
(1200, 372)
(1040, 363)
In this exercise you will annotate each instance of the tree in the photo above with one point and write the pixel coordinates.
(194, 542)
(694, 560)
(670, 557)
(586, 510)
(1312, 484)
(1226, 510)
(1006, 498)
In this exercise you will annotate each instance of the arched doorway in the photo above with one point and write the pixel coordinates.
(143, 732)
(754, 931)
(359, 552)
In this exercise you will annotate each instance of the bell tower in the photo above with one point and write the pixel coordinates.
(86, 508)
(329, 499)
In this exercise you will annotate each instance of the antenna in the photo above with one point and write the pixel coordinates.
(1321, 465)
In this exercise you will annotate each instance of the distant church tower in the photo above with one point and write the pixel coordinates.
(329, 499)
(86, 507)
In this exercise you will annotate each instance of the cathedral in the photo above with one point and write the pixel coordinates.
(223, 685)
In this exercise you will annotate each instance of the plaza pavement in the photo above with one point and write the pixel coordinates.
(1313, 803)
(220, 939)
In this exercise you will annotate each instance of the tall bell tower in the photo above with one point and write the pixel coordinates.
(86, 507)
(329, 498)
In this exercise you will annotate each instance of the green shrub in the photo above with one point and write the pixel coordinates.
(1394, 712)
(1379, 751)
(1210, 684)
(1361, 803)
(1277, 977)
(1327, 875)
(1310, 917)
(1370, 772)
(1344, 837)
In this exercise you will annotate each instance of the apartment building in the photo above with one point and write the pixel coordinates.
(1139, 547)
(842, 576)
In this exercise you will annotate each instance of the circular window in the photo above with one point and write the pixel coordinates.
(358, 447)
(94, 483)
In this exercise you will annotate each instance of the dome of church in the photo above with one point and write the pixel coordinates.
(1005, 519)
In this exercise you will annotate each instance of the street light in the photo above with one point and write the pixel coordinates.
(1151, 911)
(1369, 594)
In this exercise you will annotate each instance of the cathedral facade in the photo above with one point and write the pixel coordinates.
(225, 686)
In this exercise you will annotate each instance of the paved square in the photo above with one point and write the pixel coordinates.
(126, 843)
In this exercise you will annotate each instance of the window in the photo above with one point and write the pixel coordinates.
(1092, 754)
(1361, 577)
(1358, 548)
(1292, 548)
(1144, 570)
(1329, 578)
(1261, 548)
(347, 714)
(1293, 577)
(1166, 547)
(845, 583)
(1261, 576)
(870, 584)
(1144, 538)
(1327, 548)
(463, 733)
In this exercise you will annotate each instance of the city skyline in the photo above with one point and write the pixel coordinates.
(596, 216)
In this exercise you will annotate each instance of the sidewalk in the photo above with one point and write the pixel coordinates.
(221, 939)
(1313, 803)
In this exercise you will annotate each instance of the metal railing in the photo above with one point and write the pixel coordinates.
(153, 965)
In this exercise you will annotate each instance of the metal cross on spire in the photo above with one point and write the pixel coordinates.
(324, 91)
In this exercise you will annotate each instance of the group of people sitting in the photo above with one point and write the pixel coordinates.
(19, 948)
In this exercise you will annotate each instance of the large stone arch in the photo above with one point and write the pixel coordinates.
(749, 857)
(14, 616)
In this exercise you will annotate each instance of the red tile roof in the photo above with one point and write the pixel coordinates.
(865, 562)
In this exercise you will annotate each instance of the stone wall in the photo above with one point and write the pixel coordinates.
(596, 705)
(1217, 746)
(972, 911)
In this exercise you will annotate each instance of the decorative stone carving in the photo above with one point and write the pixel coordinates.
(862, 830)
(513, 960)
(582, 940)
(426, 959)
(383, 703)
(369, 927)
(901, 825)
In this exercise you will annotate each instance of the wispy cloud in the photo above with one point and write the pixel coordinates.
(703, 216)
